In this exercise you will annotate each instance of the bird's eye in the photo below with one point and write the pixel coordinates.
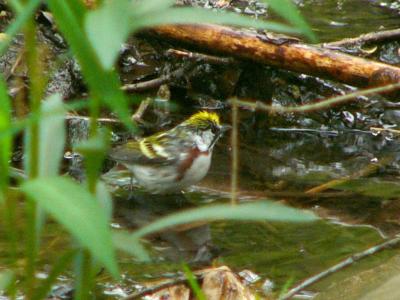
(214, 129)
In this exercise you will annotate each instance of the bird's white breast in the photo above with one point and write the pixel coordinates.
(165, 179)
(198, 169)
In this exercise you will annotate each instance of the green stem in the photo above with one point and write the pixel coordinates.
(94, 110)
(16, 5)
(84, 276)
(5, 199)
(10, 227)
(235, 152)
(36, 92)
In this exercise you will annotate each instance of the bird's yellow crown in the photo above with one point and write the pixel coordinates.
(204, 119)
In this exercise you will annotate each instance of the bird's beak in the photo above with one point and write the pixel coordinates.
(225, 127)
(222, 128)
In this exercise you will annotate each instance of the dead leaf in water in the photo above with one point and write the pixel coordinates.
(222, 283)
(217, 284)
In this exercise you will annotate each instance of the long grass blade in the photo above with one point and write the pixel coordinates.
(5, 141)
(52, 134)
(6, 279)
(288, 10)
(260, 211)
(194, 285)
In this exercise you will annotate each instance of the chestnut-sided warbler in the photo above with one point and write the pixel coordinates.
(170, 161)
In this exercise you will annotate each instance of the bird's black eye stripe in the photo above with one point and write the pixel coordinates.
(214, 128)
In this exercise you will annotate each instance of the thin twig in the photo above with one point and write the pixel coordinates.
(99, 120)
(153, 83)
(15, 65)
(216, 60)
(366, 171)
(161, 286)
(365, 38)
(345, 263)
(235, 152)
(260, 195)
(318, 105)
(379, 130)
(138, 115)
(157, 82)
(18, 174)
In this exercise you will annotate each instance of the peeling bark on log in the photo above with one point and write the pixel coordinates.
(283, 53)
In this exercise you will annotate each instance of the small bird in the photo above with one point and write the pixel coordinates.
(169, 161)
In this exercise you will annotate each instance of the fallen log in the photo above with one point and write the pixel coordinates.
(281, 52)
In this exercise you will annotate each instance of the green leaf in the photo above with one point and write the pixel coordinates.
(108, 28)
(96, 145)
(78, 9)
(79, 212)
(372, 187)
(94, 151)
(288, 10)
(104, 198)
(52, 136)
(245, 212)
(150, 6)
(6, 278)
(123, 241)
(16, 5)
(198, 15)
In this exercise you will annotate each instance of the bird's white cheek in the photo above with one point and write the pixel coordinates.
(204, 140)
(201, 145)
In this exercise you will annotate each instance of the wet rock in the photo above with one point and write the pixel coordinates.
(268, 286)
(389, 53)
(249, 277)
(57, 67)
(140, 60)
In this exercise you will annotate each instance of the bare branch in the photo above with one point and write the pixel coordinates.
(343, 264)
(318, 105)
(216, 60)
(153, 83)
(365, 38)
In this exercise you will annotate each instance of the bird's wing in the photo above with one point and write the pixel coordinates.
(145, 151)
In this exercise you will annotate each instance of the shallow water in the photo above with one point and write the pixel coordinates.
(280, 252)
(334, 20)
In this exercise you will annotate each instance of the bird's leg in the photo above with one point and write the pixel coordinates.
(131, 187)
